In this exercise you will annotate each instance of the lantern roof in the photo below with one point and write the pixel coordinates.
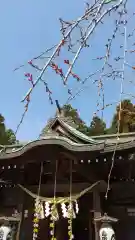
(105, 219)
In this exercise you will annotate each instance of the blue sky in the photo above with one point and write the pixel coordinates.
(29, 27)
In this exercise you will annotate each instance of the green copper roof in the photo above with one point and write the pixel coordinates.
(68, 124)
(104, 143)
(79, 134)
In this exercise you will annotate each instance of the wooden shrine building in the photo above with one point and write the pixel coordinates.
(91, 158)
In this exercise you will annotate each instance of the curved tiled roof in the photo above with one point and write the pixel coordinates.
(48, 140)
(79, 134)
(68, 124)
(105, 143)
(8, 152)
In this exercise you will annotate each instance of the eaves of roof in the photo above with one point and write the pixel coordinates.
(65, 143)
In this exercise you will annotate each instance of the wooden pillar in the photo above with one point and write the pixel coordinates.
(61, 229)
(20, 222)
(26, 229)
(90, 225)
(97, 211)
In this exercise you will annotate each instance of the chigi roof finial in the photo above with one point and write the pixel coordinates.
(58, 106)
(59, 109)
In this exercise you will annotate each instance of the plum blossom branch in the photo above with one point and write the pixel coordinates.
(96, 22)
(93, 16)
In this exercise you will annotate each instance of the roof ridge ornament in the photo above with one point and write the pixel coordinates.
(59, 111)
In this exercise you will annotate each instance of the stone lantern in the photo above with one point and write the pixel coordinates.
(106, 231)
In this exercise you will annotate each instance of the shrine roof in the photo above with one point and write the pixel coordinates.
(62, 132)
(70, 127)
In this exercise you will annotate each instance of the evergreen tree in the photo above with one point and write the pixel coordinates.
(97, 127)
(69, 111)
(126, 116)
(7, 136)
